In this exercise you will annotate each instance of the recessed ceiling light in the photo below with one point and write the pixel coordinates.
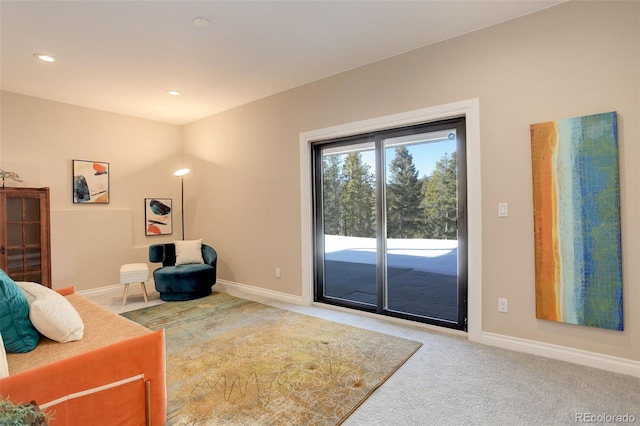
(174, 92)
(201, 22)
(44, 57)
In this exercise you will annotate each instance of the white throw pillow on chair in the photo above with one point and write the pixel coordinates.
(188, 252)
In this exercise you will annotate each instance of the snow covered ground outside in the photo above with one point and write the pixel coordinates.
(439, 256)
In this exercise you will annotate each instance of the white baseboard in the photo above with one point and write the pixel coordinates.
(107, 288)
(563, 353)
(237, 289)
(576, 356)
(99, 290)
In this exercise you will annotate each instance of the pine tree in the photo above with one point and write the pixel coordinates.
(404, 195)
(358, 198)
(332, 194)
(440, 199)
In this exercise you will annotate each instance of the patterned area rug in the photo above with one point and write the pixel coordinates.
(232, 361)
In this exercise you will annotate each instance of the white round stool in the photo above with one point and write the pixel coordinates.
(134, 273)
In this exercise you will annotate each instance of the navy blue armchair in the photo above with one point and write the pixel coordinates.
(183, 282)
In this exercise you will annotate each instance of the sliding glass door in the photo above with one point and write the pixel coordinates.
(347, 231)
(390, 223)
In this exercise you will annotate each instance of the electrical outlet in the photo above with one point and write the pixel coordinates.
(503, 305)
(277, 272)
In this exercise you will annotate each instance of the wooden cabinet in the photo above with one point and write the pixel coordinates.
(25, 242)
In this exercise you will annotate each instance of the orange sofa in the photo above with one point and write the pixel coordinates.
(115, 375)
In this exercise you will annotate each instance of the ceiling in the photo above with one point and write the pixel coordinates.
(123, 56)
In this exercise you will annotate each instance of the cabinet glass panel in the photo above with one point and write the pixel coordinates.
(32, 234)
(32, 209)
(14, 261)
(14, 234)
(34, 260)
(14, 209)
(34, 277)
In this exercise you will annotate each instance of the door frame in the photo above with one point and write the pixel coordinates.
(375, 141)
(470, 109)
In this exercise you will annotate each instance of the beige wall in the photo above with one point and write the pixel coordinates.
(243, 196)
(89, 242)
(576, 59)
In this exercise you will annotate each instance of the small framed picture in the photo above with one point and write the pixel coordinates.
(158, 216)
(90, 182)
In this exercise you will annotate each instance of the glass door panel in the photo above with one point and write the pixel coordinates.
(32, 234)
(14, 234)
(15, 261)
(31, 209)
(349, 224)
(34, 260)
(421, 224)
(14, 210)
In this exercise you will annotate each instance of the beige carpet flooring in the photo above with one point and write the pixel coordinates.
(451, 381)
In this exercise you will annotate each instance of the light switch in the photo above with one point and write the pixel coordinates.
(503, 209)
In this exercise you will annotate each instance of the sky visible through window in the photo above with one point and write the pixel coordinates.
(424, 155)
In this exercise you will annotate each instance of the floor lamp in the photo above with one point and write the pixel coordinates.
(181, 173)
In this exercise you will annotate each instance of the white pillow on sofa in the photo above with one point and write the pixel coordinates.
(4, 365)
(51, 314)
(188, 252)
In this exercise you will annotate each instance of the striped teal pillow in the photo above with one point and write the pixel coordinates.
(18, 334)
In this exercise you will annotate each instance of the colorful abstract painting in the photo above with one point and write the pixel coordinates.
(158, 216)
(576, 203)
(90, 182)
